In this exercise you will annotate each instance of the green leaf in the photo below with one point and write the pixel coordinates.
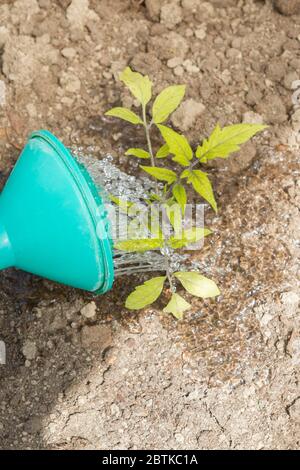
(201, 185)
(181, 159)
(179, 193)
(145, 294)
(139, 85)
(178, 145)
(198, 285)
(173, 213)
(222, 142)
(144, 244)
(162, 174)
(124, 205)
(177, 306)
(125, 114)
(188, 237)
(140, 153)
(166, 102)
(163, 151)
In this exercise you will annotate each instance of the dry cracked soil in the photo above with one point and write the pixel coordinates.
(84, 373)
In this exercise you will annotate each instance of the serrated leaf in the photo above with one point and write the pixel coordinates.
(198, 285)
(177, 306)
(140, 153)
(145, 294)
(179, 193)
(222, 142)
(166, 102)
(188, 237)
(162, 174)
(144, 244)
(174, 215)
(181, 159)
(125, 114)
(139, 85)
(163, 151)
(201, 185)
(178, 144)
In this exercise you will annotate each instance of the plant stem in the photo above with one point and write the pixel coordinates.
(147, 132)
(148, 137)
(169, 275)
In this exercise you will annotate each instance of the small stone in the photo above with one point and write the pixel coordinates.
(29, 350)
(145, 62)
(190, 67)
(236, 43)
(108, 75)
(178, 71)
(31, 109)
(290, 301)
(189, 33)
(287, 7)
(276, 70)
(187, 113)
(171, 15)
(69, 52)
(250, 117)
(233, 54)
(296, 116)
(179, 437)
(172, 63)
(67, 101)
(3, 35)
(267, 317)
(253, 96)
(190, 5)
(289, 79)
(79, 13)
(242, 160)
(273, 108)
(226, 77)
(153, 9)
(200, 33)
(169, 45)
(115, 410)
(293, 348)
(89, 310)
(70, 82)
(205, 10)
(97, 337)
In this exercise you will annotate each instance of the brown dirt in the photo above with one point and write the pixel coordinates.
(228, 375)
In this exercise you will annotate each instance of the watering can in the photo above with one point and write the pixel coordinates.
(53, 221)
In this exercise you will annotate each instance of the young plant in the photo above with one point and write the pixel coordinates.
(221, 143)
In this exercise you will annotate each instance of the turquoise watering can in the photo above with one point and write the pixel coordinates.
(53, 222)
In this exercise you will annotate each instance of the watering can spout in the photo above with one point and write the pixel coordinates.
(6, 252)
(49, 217)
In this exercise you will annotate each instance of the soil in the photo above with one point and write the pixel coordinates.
(82, 372)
